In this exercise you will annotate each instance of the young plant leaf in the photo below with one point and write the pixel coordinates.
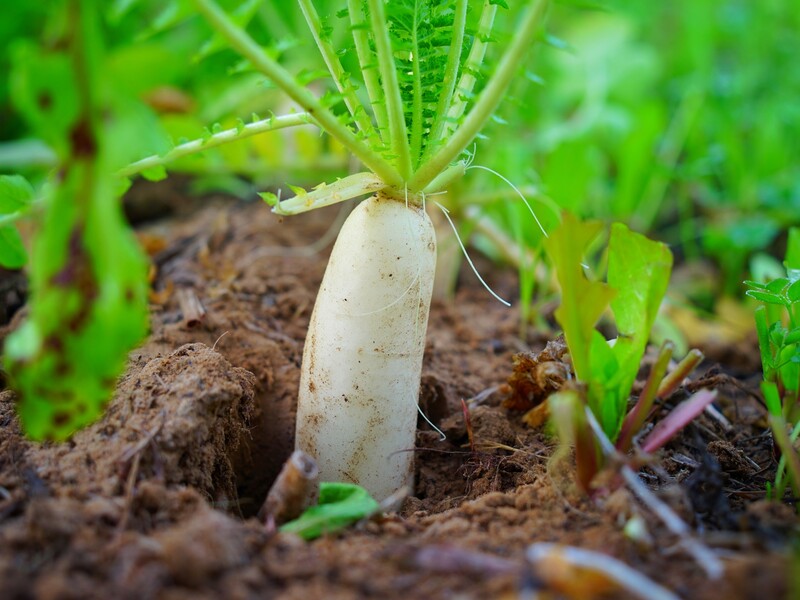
(15, 194)
(776, 286)
(340, 505)
(639, 270)
(767, 297)
(793, 292)
(12, 251)
(582, 301)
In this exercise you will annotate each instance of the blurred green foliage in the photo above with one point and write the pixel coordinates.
(88, 275)
(170, 83)
(679, 118)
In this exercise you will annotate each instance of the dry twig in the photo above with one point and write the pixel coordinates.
(293, 491)
(191, 307)
(699, 551)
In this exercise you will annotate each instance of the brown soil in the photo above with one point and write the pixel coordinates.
(157, 500)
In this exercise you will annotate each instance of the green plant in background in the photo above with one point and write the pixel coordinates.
(148, 45)
(664, 113)
(778, 328)
(16, 200)
(638, 274)
(88, 275)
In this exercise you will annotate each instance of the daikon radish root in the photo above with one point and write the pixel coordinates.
(359, 386)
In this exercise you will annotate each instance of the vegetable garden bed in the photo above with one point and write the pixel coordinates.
(158, 498)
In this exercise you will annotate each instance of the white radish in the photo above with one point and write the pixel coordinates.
(362, 361)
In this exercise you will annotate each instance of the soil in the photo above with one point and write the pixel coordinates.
(158, 499)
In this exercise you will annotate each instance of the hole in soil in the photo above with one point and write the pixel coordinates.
(13, 294)
(263, 451)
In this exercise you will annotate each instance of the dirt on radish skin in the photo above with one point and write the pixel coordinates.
(156, 500)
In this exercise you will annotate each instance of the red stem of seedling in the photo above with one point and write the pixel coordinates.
(676, 420)
(636, 417)
(672, 382)
(587, 462)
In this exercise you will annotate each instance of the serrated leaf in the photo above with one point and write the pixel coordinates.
(340, 505)
(638, 275)
(776, 286)
(421, 33)
(15, 194)
(767, 297)
(12, 252)
(639, 270)
(88, 308)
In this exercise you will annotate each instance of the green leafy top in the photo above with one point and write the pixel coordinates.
(427, 62)
(412, 100)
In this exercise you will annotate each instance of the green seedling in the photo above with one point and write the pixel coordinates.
(339, 506)
(16, 199)
(638, 273)
(778, 328)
